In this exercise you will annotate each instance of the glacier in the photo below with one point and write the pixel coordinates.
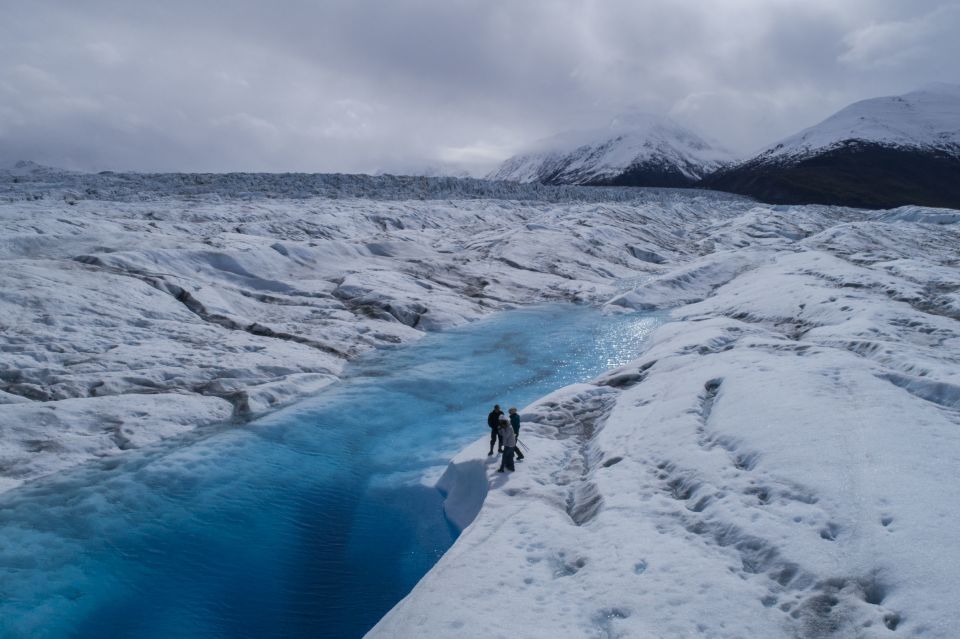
(775, 464)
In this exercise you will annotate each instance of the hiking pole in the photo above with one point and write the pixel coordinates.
(524, 446)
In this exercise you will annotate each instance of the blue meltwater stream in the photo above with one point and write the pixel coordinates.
(312, 522)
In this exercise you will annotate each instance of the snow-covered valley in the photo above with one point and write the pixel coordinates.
(777, 462)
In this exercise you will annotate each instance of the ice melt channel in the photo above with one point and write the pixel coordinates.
(310, 523)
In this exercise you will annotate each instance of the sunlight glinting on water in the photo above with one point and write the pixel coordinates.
(311, 522)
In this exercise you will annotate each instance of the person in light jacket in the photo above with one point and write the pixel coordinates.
(515, 422)
(509, 444)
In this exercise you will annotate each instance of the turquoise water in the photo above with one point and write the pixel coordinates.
(312, 522)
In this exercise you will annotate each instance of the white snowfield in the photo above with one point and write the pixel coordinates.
(778, 463)
(928, 119)
(130, 319)
(580, 157)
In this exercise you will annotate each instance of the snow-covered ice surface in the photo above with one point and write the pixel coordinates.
(777, 464)
(311, 522)
(133, 307)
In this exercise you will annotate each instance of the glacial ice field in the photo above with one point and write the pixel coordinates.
(312, 522)
(778, 461)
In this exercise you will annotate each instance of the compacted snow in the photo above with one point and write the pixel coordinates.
(128, 320)
(776, 464)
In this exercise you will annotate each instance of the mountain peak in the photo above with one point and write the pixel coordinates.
(23, 168)
(639, 121)
(633, 149)
(926, 118)
(876, 153)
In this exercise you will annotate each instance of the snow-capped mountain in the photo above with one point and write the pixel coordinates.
(925, 119)
(875, 153)
(633, 150)
(29, 169)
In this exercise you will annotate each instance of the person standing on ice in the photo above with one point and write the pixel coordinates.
(493, 421)
(509, 444)
(515, 424)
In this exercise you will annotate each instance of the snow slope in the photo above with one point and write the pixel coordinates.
(880, 153)
(644, 146)
(927, 119)
(777, 463)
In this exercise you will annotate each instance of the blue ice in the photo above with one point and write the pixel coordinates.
(312, 522)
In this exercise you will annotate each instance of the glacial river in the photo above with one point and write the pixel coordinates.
(312, 522)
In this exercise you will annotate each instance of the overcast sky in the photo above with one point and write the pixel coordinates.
(395, 85)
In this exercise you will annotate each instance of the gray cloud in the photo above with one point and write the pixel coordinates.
(358, 85)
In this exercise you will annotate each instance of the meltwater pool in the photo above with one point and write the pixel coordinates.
(312, 522)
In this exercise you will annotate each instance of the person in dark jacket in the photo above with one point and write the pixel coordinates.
(493, 421)
(509, 444)
(515, 423)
